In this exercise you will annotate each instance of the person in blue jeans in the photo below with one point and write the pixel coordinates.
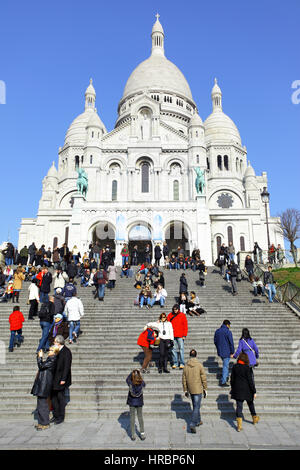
(46, 314)
(225, 348)
(195, 384)
(269, 283)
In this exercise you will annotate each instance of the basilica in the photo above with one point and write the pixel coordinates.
(139, 183)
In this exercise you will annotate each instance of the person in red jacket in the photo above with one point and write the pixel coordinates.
(16, 320)
(146, 340)
(180, 328)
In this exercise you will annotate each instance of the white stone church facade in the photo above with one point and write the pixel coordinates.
(141, 175)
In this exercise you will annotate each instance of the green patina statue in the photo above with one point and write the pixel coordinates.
(82, 181)
(200, 180)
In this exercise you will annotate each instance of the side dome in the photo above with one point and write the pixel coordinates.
(76, 134)
(219, 127)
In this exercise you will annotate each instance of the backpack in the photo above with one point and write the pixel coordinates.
(44, 311)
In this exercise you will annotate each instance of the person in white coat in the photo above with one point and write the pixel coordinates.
(159, 296)
(166, 340)
(33, 298)
(59, 279)
(74, 311)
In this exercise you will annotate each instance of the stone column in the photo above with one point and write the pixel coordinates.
(204, 230)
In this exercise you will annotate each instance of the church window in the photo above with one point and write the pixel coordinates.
(197, 159)
(114, 190)
(91, 159)
(196, 133)
(76, 162)
(229, 234)
(55, 242)
(241, 166)
(219, 159)
(67, 235)
(81, 159)
(145, 177)
(242, 243)
(92, 134)
(237, 165)
(219, 243)
(226, 163)
(225, 201)
(207, 164)
(176, 190)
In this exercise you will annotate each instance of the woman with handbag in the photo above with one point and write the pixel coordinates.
(166, 340)
(243, 388)
(135, 401)
(247, 345)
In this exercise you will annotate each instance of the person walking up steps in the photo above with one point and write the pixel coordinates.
(195, 384)
(243, 388)
(225, 348)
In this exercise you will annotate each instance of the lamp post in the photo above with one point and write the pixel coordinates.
(265, 197)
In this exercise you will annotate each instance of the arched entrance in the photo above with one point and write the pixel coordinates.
(176, 235)
(104, 234)
(140, 236)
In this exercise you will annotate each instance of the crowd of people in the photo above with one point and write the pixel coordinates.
(52, 297)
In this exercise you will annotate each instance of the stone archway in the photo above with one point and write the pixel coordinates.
(139, 236)
(177, 235)
(103, 232)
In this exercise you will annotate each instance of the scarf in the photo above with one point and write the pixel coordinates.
(55, 327)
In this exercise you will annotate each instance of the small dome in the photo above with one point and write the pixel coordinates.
(157, 27)
(216, 89)
(76, 134)
(249, 171)
(90, 89)
(95, 121)
(52, 171)
(219, 127)
(196, 120)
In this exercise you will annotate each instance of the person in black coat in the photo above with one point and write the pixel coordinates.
(43, 385)
(72, 270)
(62, 380)
(243, 388)
(157, 254)
(135, 401)
(45, 285)
(183, 287)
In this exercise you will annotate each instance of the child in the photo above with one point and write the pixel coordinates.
(9, 291)
(16, 320)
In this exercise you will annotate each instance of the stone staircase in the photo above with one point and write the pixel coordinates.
(107, 351)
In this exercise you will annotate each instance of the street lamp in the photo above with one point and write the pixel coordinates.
(265, 197)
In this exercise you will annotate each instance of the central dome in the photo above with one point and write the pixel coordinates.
(157, 73)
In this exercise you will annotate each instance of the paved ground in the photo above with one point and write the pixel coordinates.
(164, 435)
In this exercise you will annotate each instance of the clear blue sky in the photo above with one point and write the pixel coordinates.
(49, 51)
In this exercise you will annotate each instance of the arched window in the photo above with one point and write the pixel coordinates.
(67, 235)
(229, 234)
(145, 177)
(76, 162)
(114, 190)
(241, 166)
(242, 243)
(226, 163)
(207, 164)
(81, 159)
(219, 159)
(197, 158)
(176, 190)
(55, 242)
(91, 159)
(219, 243)
(237, 165)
